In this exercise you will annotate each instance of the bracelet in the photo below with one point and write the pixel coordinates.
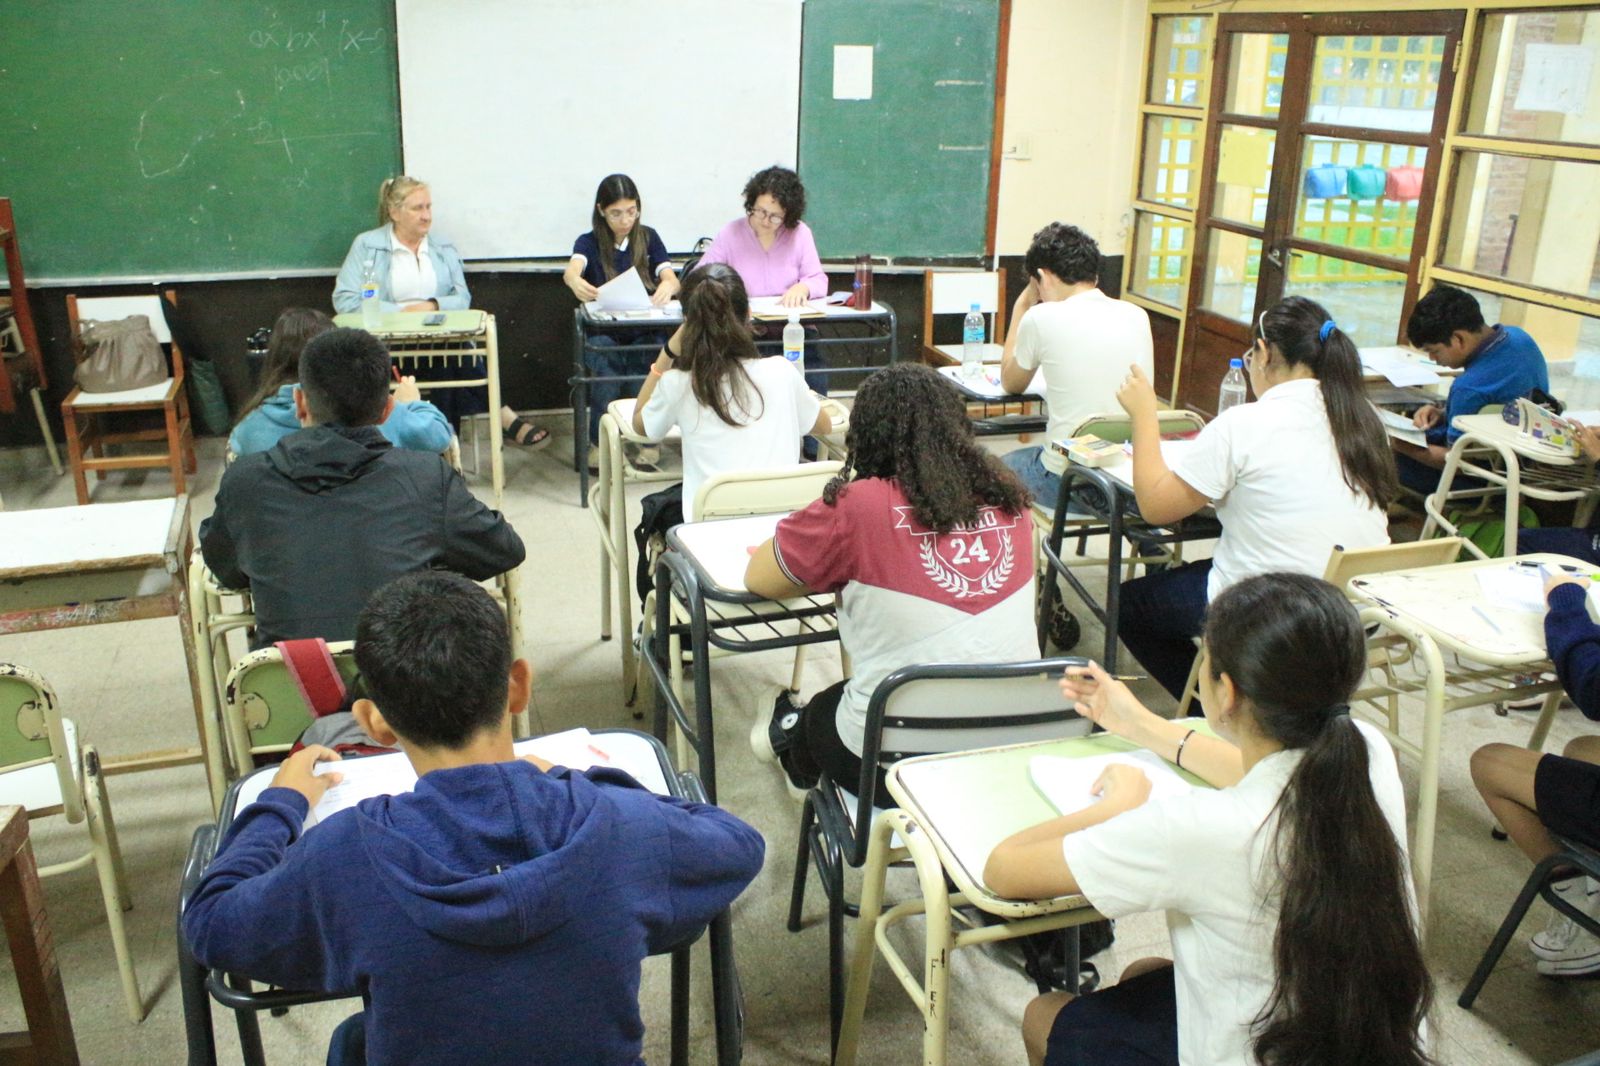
(654, 372)
(1177, 759)
(667, 347)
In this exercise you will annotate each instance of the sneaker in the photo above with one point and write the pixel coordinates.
(1529, 703)
(777, 719)
(594, 459)
(1581, 957)
(1558, 935)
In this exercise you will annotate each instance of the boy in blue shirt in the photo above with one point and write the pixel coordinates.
(498, 913)
(1501, 363)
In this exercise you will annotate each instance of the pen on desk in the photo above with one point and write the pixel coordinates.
(1481, 613)
(602, 756)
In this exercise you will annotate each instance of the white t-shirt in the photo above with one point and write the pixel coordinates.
(1272, 470)
(1198, 857)
(773, 423)
(411, 276)
(1085, 344)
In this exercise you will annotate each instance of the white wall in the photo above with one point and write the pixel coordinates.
(1072, 94)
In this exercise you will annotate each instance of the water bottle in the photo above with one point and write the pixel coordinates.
(794, 343)
(369, 297)
(972, 338)
(1234, 389)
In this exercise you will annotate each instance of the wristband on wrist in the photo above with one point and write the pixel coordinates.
(1177, 759)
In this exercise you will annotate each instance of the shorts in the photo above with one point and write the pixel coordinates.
(1567, 793)
(1132, 1023)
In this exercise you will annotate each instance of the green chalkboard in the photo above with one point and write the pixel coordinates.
(906, 172)
(194, 137)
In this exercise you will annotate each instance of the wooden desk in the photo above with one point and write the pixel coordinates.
(62, 567)
(48, 1040)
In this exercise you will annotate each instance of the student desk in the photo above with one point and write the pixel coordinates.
(1496, 452)
(62, 567)
(1430, 613)
(641, 755)
(987, 390)
(703, 567)
(464, 338)
(875, 328)
(1114, 511)
(48, 1040)
(953, 809)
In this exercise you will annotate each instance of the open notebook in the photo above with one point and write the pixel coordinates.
(1069, 783)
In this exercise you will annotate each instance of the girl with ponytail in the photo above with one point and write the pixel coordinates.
(736, 410)
(1287, 890)
(1304, 468)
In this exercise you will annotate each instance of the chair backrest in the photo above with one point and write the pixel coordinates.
(774, 491)
(32, 732)
(953, 292)
(1118, 427)
(940, 707)
(263, 704)
(113, 308)
(1347, 563)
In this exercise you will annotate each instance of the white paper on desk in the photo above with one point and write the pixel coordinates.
(1403, 369)
(1512, 587)
(1171, 450)
(987, 382)
(625, 292)
(1400, 427)
(1069, 783)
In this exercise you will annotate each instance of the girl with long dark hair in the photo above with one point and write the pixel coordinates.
(736, 409)
(1305, 467)
(926, 540)
(1287, 890)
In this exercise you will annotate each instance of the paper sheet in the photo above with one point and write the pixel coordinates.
(852, 72)
(1556, 77)
(1400, 427)
(1513, 587)
(987, 383)
(1068, 783)
(625, 292)
(1171, 450)
(1402, 368)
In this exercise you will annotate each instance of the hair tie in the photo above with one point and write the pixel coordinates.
(1338, 711)
(1327, 328)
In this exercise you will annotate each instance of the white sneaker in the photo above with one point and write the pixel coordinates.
(1581, 957)
(1558, 936)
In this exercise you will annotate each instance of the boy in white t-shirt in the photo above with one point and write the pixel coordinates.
(1082, 339)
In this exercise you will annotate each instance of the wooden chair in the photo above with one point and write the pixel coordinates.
(47, 768)
(84, 414)
(20, 341)
(953, 292)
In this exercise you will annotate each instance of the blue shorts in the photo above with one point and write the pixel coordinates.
(1132, 1023)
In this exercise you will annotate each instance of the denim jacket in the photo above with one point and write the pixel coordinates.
(373, 246)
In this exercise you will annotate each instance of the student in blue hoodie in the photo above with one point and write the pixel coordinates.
(269, 414)
(498, 913)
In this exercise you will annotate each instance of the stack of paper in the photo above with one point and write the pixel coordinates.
(1400, 365)
(1069, 783)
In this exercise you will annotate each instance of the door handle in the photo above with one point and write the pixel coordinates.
(1275, 255)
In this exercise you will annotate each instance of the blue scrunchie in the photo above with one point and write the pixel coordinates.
(1327, 328)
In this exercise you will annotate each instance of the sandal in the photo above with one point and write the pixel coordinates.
(525, 433)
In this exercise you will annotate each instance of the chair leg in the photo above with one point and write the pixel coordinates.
(250, 1049)
(680, 1006)
(802, 861)
(108, 863)
(175, 456)
(69, 422)
(1502, 937)
(44, 431)
(835, 962)
(799, 666)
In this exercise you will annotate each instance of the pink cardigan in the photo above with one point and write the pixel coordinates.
(770, 271)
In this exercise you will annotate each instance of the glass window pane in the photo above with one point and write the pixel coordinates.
(1244, 170)
(1177, 57)
(1367, 81)
(1233, 267)
(1364, 300)
(1570, 342)
(1171, 173)
(1255, 73)
(1527, 220)
(1531, 80)
(1161, 250)
(1360, 194)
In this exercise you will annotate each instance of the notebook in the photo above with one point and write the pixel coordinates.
(1069, 783)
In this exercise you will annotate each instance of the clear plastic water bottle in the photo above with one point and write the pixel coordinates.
(794, 343)
(973, 332)
(1234, 390)
(369, 297)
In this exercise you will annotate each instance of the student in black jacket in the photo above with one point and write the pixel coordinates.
(315, 524)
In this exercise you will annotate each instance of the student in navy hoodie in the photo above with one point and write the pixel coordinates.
(499, 913)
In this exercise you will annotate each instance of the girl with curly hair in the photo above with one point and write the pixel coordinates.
(925, 539)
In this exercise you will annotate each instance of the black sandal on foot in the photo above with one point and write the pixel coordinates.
(525, 433)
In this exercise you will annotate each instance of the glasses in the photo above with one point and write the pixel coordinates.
(622, 214)
(774, 217)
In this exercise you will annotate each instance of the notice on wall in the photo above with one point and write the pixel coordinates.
(1244, 157)
(852, 72)
(1555, 77)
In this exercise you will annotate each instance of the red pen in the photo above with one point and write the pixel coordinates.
(597, 752)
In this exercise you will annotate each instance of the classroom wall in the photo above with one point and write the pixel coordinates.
(1072, 88)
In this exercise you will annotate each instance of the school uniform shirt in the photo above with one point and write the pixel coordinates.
(411, 274)
(769, 271)
(906, 594)
(1272, 471)
(1085, 345)
(1200, 857)
(773, 418)
(1508, 364)
(588, 249)
(1573, 641)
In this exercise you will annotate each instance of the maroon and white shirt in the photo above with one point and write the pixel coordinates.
(908, 595)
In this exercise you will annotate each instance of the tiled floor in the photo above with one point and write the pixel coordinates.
(126, 686)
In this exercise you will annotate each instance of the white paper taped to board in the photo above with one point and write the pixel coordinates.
(1555, 77)
(852, 72)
